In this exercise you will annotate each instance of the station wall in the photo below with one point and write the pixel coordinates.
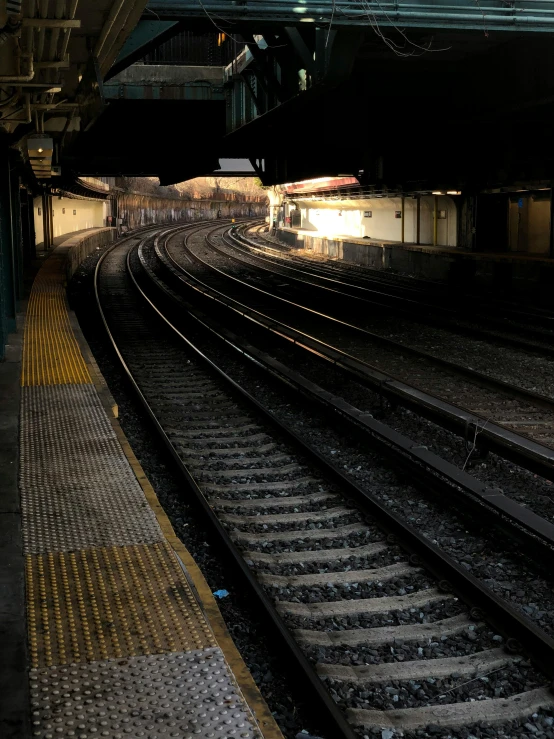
(137, 210)
(529, 223)
(70, 215)
(381, 219)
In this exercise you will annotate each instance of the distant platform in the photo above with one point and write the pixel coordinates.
(509, 271)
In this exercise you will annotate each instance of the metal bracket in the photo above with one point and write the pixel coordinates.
(263, 62)
(90, 95)
(302, 50)
(248, 84)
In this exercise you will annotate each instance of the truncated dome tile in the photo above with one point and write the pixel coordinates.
(51, 354)
(186, 695)
(77, 487)
(110, 602)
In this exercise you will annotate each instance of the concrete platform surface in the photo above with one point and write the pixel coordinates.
(124, 637)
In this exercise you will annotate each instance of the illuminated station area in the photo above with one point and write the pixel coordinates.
(339, 207)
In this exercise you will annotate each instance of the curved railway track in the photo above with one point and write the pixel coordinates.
(507, 419)
(536, 533)
(429, 304)
(382, 625)
(458, 309)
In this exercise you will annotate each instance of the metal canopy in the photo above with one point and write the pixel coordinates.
(53, 57)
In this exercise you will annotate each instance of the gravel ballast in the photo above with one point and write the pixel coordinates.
(379, 479)
(523, 486)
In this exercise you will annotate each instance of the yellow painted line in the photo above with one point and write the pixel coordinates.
(51, 354)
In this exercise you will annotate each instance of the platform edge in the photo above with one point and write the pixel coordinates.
(251, 693)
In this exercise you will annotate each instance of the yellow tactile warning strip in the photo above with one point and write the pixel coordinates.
(51, 354)
(94, 604)
(123, 605)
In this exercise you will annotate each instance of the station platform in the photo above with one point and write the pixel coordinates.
(59, 240)
(123, 636)
(512, 271)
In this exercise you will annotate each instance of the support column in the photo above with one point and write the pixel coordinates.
(418, 220)
(8, 297)
(15, 228)
(115, 212)
(48, 226)
(551, 254)
(435, 220)
(402, 211)
(474, 224)
(28, 228)
(51, 220)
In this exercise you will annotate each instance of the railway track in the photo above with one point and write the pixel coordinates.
(534, 531)
(379, 621)
(507, 419)
(429, 297)
(432, 305)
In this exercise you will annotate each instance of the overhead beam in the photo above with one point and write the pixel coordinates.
(518, 15)
(263, 61)
(122, 19)
(338, 56)
(53, 65)
(301, 48)
(49, 23)
(145, 37)
(248, 84)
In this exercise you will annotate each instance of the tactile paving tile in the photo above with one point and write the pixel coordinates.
(110, 602)
(51, 354)
(189, 696)
(77, 487)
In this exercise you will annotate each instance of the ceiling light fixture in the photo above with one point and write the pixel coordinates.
(40, 148)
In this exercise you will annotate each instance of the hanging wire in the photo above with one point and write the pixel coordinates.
(149, 10)
(211, 17)
(485, 30)
(373, 22)
(226, 33)
(393, 46)
(330, 24)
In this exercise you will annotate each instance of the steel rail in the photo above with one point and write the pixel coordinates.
(479, 376)
(494, 437)
(381, 280)
(402, 305)
(503, 317)
(325, 703)
(451, 575)
(385, 341)
(534, 532)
